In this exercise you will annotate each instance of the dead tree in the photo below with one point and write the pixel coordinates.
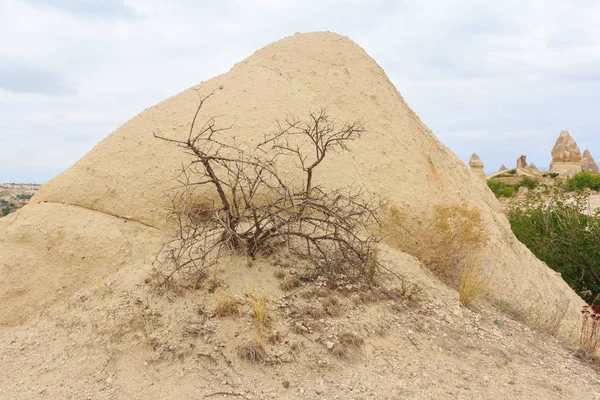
(232, 199)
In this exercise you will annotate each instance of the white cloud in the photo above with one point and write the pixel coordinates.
(481, 75)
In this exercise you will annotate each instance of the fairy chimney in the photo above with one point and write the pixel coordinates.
(477, 165)
(587, 162)
(522, 162)
(566, 156)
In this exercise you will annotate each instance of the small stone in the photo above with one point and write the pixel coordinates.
(329, 345)
(286, 384)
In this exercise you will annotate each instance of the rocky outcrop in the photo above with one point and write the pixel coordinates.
(587, 162)
(566, 156)
(502, 168)
(476, 165)
(108, 210)
(522, 162)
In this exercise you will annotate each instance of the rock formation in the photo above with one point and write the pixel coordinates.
(587, 162)
(566, 156)
(532, 168)
(502, 168)
(477, 165)
(107, 211)
(522, 162)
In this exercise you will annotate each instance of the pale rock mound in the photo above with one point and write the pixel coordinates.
(476, 165)
(502, 168)
(532, 168)
(566, 156)
(107, 210)
(587, 162)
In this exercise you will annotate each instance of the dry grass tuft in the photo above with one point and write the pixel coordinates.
(332, 306)
(314, 293)
(408, 291)
(351, 339)
(279, 274)
(348, 343)
(214, 280)
(471, 284)
(252, 350)
(290, 283)
(367, 297)
(260, 309)
(227, 305)
(340, 351)
(548, 318)
(312, 312)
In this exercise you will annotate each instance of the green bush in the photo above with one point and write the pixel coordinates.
(501, 189)
(507, 191)
(553, 174)
(559, 233)
(529, 183)
(512, 171)
(6, 211)
(582, 181)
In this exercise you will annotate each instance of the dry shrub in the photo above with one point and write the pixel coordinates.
(227, 305)
(471, 282)
(455, 231)
(448, 245)
(252, 350)
(332, 306)
(256, 209)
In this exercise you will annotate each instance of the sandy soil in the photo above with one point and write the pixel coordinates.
(123, 340)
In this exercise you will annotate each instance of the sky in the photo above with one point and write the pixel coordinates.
(498, 78)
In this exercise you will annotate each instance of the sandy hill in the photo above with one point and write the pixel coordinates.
(100, 223)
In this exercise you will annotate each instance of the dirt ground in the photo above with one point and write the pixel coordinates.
(123, 339)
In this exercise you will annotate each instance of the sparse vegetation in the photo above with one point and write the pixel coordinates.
(447, 245)
(235, 200)
(332, 306)
(582, 181)
(290, 283)
(562, 231)
(227, 305)
(260, 310)
(408, 291)
(471, 282)
(501, 189)
(252, 350)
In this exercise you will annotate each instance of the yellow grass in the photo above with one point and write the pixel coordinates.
(471, 282)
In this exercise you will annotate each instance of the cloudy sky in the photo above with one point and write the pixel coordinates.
(500, 78)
